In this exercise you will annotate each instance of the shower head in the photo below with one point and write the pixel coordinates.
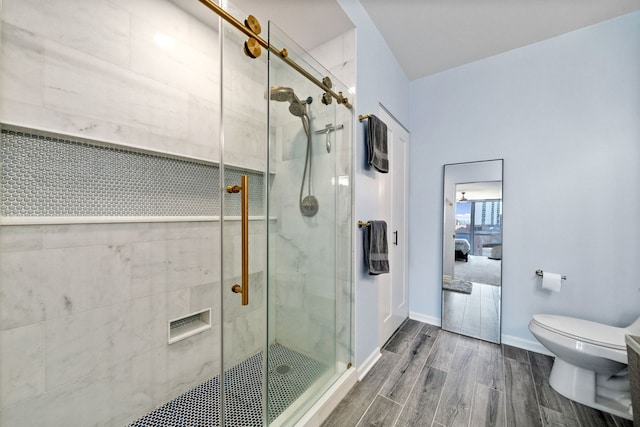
(297, 108)
(282, 94)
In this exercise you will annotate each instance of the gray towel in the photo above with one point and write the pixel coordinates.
(377, 144)
(376, 254)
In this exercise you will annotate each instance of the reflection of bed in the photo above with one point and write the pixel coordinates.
(462, 249)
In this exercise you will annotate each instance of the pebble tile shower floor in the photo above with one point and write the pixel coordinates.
(243, 393)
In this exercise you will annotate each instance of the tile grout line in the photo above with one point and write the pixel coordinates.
(504, 380)
(435, 412)
(475, 387)
(416, 382)
(535, 390)
(366, 410)
(383, 384)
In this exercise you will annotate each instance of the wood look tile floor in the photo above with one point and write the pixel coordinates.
(434, 378)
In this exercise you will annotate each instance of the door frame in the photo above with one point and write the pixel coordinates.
(391, 317)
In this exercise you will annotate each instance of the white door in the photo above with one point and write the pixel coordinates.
(393, 306)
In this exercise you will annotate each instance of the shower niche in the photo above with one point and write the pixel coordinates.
(175, 234)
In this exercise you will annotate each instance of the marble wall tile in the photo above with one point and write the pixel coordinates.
(149, 264)
(191, 262)
(244, 336)
(21, 364)
(204, 37)
(81, 235)
(68, 22)
(22, 65)
(78, 345)
(72, 77)
(39, 117)
(132, 389)
(21, 238)
(134, 386)
(164, 15)
(146, 387)
(244, 140)
(94, 399)
(204, 127)
(192, 361)
(41, 285)
(27, 14)
(338, 56)
(136, 98)
(205, 296)
(176, 63)
(158, 267)
(183, 230)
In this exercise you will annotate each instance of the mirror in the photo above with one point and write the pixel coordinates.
(472, 249)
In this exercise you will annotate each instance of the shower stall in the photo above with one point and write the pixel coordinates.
(175, 220)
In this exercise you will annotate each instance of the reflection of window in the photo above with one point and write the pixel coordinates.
(480, 223)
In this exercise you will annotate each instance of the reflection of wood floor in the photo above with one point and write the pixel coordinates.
(476, 314)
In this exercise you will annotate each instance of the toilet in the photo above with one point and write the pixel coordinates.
(591, 361)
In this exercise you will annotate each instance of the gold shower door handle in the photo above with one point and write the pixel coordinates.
(244, 189)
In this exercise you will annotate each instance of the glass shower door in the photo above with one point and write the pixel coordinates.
(305, 288)
(243, 225)
(286, 221)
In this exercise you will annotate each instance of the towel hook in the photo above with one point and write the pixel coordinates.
(363, 224)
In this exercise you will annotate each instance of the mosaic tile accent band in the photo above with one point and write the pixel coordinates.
(290, 374)
(51, 176)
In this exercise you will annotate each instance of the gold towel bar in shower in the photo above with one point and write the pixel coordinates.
(244, 207)
(363, 117)
(363, 224)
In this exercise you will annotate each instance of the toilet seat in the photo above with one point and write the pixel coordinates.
(584, 330)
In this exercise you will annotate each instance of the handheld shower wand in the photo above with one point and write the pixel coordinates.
(309, 204)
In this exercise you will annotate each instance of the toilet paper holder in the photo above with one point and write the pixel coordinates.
(540, 273)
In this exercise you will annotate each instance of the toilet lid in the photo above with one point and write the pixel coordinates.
(584, 330)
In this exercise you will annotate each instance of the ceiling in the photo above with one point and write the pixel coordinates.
(488, 190)
(429, 36)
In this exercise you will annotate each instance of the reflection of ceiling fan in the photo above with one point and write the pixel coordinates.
(463, 199)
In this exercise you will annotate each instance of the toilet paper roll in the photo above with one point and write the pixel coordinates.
(552, 281)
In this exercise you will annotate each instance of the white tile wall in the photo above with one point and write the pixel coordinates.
(68, 309)
(60, 54)
(22, 370)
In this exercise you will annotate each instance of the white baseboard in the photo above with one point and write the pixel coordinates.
(368, 363)
(424, 318)
(530, 345)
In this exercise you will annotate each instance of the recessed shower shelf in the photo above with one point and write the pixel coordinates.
(49, 178)
(189, 325)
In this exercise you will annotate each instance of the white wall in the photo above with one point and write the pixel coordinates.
(563, 113)
(380, 80)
